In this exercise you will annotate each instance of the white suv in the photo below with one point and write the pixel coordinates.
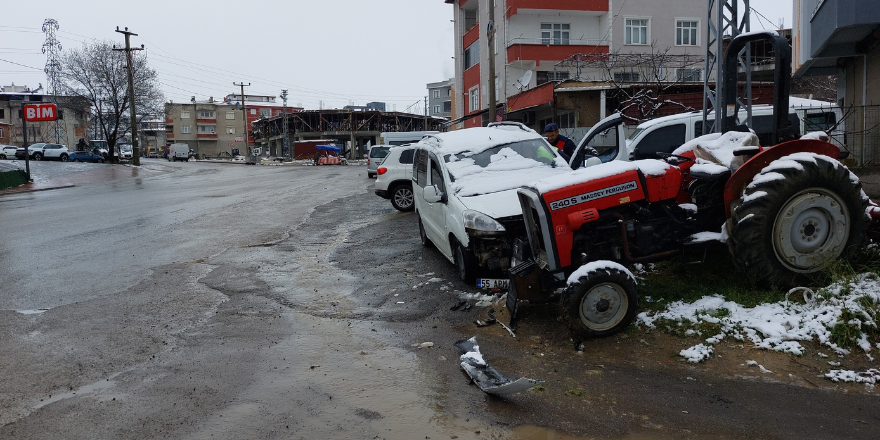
(56, 151)
(465, 190)
(394, 177)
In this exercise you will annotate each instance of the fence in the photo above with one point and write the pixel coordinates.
(861, 127)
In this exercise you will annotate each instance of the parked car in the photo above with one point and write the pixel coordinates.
(7, 151)
(126, 151)
(56, 151)
(394, 177)
(86, 156)
(465, 191)
(34, 152)
(375, 158)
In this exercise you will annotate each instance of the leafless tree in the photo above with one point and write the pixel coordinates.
(644, 82)
(823, 88)
(99, 74)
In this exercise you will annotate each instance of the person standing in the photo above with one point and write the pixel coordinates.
(564, 145)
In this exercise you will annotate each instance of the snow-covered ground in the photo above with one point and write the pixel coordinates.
(845, 309)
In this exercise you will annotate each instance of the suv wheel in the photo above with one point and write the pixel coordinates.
(63, 158)
(38, 156)
(402, 197)
(2, 156)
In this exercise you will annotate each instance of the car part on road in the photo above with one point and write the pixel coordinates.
(486, 377)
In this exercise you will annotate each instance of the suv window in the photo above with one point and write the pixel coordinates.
(661, 140)
(378, 152)
(437, 175)
(407, 156)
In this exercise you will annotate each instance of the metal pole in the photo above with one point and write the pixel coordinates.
(244, 113)
(284, 121)
(27, 162)
(490, 33)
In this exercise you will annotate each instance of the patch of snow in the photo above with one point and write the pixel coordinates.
(871, 376)
(598, 265)
(689, 145)
(697, 353)
(780, 326)
(745, 218)
(817, 135)
(703, 237)
(765, 177)
(712, 169)
(753, 196)
(689, 207)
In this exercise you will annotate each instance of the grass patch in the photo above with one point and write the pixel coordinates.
(682, 279)
(575, 392)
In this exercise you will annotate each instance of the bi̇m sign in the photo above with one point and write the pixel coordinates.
(40, 112)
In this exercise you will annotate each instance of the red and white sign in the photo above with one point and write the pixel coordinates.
(40, 112)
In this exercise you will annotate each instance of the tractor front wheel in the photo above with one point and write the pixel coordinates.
(602, 302)
(797, 216)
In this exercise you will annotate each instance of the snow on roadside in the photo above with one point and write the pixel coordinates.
(784, 325)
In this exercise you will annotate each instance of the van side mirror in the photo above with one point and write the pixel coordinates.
(432, 194)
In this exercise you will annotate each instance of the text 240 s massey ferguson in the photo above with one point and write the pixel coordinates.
(788, 211)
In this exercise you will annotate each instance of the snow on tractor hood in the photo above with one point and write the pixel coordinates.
(649, 167)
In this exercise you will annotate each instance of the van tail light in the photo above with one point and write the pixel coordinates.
(381, 171)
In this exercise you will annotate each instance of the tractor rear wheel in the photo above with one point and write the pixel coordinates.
(797, 216)
(601, 303)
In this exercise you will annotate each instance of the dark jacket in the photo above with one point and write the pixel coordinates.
(565, 146)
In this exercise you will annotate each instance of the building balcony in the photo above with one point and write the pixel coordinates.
(596, 6)
(529, 52)
(470, 36)
(169, 120)
(207, 136)
(169, 135)
(206, 121)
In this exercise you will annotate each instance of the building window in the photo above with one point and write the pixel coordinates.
(253, 111)
(474, 94)
(265, 112)
(689, 75)
(230, 115)
(626, 77)
(447, 107)
(686, 32)
(436, 93)
(206, 114)
(636, 31)
(472, 55)
(436, 109)
(184, 114)
(207, 129)
(230, 129)
(554, 33)
(2, 113)
(448, 93)
(545, 76)
(1, 132)
(185, 129)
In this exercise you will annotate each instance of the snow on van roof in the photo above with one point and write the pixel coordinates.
(475, 140)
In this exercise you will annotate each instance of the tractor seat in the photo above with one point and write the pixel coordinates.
(726, 151)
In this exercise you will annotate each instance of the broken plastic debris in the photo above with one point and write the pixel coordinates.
(489, 380)
(458, 305)
(423, 345)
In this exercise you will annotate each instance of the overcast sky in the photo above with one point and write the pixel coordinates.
(335, 51)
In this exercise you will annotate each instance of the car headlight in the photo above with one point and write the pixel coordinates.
(478, 221)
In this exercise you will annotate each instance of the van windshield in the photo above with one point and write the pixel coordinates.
(636, 134)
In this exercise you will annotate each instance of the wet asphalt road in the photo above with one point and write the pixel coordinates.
(230, 301)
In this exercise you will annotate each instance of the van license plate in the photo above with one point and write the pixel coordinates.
(493, 283)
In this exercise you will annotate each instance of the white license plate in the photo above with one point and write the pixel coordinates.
(493, 283)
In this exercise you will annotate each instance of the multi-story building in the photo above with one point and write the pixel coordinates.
(540, 41)
(72, 123)
(842, 38)
(440, 98)
(215, 128)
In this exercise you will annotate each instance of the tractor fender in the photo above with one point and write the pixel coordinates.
(742, 176)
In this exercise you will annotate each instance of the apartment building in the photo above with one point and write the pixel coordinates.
(72, 124)
(440, 98)
(217, 127)
(541, 41)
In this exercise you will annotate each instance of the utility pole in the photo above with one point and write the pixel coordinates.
(490, 33)
(426, 114)
(52, 49)
(286, 148)
(136, 151)
(247, 149)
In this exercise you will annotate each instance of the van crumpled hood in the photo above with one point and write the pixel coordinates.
(496, 205)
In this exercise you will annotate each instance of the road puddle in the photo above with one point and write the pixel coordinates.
(93, 388)
(32, 312)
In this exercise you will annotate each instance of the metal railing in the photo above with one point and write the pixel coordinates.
(557, 41)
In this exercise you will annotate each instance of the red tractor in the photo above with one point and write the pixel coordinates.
(787, 211)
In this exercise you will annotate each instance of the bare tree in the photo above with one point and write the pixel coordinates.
(643, 83)
(97, 73)
(823, 88)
